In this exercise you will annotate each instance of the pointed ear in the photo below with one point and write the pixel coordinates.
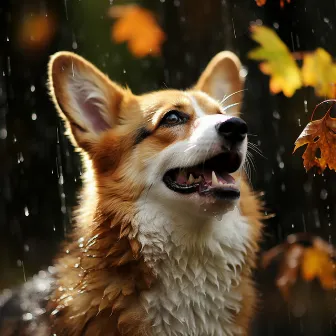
(85, 98)
(222, 78)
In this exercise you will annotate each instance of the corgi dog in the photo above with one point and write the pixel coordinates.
(167, 229)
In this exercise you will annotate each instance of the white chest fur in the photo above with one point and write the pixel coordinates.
(198, 269)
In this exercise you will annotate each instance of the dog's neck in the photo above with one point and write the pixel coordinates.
(198, 264)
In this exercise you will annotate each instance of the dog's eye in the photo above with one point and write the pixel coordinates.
(173, 118)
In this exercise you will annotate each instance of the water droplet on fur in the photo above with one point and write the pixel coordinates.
(219, 217)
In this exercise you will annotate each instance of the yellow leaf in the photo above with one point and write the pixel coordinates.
(320, 72)
(278, 62)
(139, 28)
(317, 264)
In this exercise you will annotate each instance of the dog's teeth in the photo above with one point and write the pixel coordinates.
(191, 179)
(214, 179)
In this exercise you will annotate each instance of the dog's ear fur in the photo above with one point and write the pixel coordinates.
(85, 98)
(221, 78)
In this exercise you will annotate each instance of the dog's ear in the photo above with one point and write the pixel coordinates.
(85, 98)
(221, 78)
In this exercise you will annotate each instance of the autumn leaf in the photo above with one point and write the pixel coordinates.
(36, 31)
(319, 71)
(317, 264)
(295, 260)
(320, 137)
(282, 3)
(263, 2)
(278, 62)
(139, 28)
(260, 2)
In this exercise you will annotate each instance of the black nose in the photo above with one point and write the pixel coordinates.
(232, 130)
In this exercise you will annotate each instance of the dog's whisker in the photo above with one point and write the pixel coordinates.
(191, 147)
(229, 106)
(251, 159)
(225, 98)
(255, 148)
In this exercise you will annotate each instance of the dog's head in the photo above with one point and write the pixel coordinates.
(181, 148)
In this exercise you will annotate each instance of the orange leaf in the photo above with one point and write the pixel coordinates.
(260, 2)
(320, 135)
(316, 263)
(36, 31)
(263, 2)
(139, 28)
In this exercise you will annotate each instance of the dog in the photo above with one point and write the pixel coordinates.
(168, 228)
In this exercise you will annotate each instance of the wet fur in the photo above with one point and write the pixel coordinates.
(109, 269)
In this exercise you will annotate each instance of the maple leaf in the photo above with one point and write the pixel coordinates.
(319, 71)
(263, 2)
(320, 137)
(139, 28)
(278, 63)
(316, 263)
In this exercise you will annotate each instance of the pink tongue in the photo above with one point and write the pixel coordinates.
(181, 178)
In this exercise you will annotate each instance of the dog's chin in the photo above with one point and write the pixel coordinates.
(209, 188)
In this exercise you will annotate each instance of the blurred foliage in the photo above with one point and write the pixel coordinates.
(139, 28)
(263, 2)
(295, 260)
(279, 63)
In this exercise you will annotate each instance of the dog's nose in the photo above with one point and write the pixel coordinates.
(233, 130)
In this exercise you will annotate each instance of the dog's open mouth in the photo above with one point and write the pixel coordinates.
(209, 178)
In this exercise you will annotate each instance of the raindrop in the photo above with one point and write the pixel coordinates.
(307, 187)
(305, 105)
(243, 72)
(32, 88)
(124, 71)
(3, 133)
(74, 45)
(323, 194)
(34, 116)
(20, 157)
(276, 115)
(316, 218)
(276, 25)
(281, 165)
(26, 211)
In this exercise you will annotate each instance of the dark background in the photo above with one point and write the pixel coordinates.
(40, 174)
